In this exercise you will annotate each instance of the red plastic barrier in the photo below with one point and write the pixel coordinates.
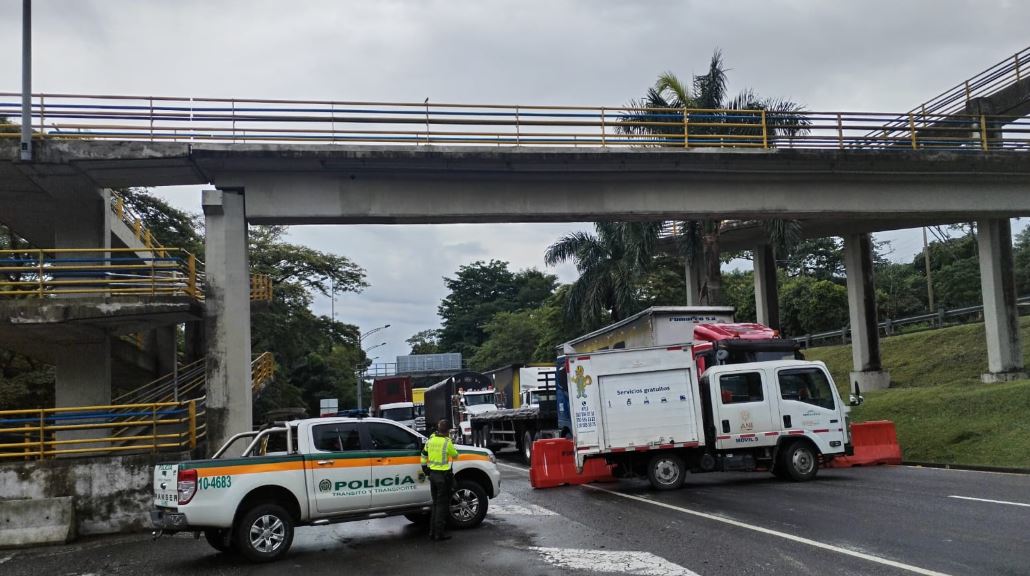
(874, 442)
(554, 463)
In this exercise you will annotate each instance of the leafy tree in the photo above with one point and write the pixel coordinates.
(821, 258)
(1021, 255)
(610, 264)
(662, 113)
(478, 292)
(425, 342)
(170, 226)
(739, 292)
(511, 337)
(808, 305)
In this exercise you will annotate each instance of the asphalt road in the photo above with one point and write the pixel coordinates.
(886, 520)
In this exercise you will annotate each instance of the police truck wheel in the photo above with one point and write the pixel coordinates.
(799, 461)
(219, 539)
(264, 533)
(527, 446)
(666, 471)
(468, 505)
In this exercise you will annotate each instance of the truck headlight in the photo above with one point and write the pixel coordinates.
(493, 459)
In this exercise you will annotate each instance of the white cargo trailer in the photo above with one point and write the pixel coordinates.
(645, 411)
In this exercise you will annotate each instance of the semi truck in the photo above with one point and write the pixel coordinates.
(646, 412)
(403, 413)
(390, 390)
(534, 417)
(445, 399)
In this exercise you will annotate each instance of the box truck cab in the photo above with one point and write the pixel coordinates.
(645, 411)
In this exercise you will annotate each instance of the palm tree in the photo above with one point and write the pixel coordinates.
(660, 118)
(610, 264)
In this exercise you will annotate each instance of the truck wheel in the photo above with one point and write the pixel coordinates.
(219, 538)
(798, 462)
(527, 446)
(419, 519)
(468, 505)
(666, 471)
(264, 533)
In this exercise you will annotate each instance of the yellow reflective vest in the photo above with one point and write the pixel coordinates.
(438, 453)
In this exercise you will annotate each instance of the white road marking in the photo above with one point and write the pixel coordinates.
(612, 561)
(522, 469)
(520, 510)
(991, 501)
(6, 558)
(778, 534)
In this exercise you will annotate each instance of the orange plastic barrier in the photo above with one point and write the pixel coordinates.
(874, 442)
(554, 464)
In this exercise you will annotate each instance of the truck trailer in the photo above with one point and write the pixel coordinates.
(443, 400)
(534, 417)
(646, 412)
(390, 390)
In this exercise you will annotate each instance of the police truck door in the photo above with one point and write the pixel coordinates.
(397, 478)
(338, 469)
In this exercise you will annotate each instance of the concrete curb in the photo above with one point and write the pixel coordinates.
(37, 521)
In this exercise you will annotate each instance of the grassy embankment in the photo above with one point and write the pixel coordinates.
(943, 412)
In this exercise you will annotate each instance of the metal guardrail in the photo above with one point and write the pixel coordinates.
(156, 270)
(936, 319)
(390, 369)
(189, 381)
(230, 120)
(52, 432)
(99, 271)
(956, 100)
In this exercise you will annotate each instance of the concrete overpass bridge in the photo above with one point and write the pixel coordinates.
(321, 162)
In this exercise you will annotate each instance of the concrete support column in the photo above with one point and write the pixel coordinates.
(166, 340)
(227, 316)
(83, 222)
(693, 274)
(868, 371)
(83, 378)
(767, 294)
(1001, 317)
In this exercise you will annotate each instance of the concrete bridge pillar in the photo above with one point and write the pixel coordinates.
(1001, 317)
(227, 315)
(868, 371)
(767, 296)
(694, 276)
(82, 374)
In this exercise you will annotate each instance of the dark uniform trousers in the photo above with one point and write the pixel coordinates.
(441, 485)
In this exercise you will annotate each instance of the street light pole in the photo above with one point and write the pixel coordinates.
(26, 80)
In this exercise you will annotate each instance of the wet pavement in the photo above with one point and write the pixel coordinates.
(895, 520)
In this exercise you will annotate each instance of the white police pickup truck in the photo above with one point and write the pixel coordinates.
(312, 472)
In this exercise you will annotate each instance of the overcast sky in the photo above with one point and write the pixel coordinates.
(882, 56)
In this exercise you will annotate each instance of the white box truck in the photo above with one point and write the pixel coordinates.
(645, 411)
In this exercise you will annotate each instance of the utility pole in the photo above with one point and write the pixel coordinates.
(929, 275)
(26, 80)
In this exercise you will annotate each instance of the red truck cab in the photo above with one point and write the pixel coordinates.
(736, 343)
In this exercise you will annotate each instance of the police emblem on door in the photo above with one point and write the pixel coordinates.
(325, 485)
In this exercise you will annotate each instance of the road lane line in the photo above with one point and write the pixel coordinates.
(612, 561)
(991, 501)
(518, 468)
(778, 534)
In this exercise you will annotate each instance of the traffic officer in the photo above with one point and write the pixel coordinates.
(437, 455)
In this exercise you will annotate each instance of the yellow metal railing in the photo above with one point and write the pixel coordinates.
(135, 223)
(260, 288)
(93, 430)
(175, 119)
(262, 371)
(97, 271)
